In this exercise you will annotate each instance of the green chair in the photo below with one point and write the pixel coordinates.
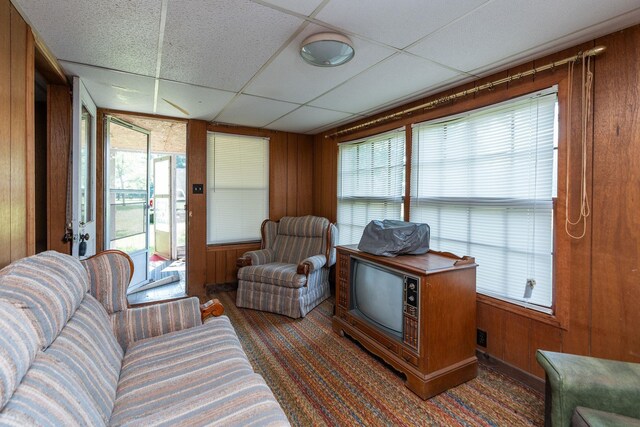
(595, 392)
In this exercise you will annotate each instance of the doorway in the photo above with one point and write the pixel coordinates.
(145, 176)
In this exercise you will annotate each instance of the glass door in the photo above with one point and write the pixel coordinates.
(83, 189)
(127, 193)
(164, 207)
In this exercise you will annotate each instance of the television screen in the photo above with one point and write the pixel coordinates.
(378, 294)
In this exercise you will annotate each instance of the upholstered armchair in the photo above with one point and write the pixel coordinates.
(587, 391)
(290, 274)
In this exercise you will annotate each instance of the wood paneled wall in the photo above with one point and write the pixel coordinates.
(290, 194)
(596, 277)
(17, 156)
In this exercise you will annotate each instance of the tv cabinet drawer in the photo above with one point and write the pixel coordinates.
(409, 357)
(383, 339)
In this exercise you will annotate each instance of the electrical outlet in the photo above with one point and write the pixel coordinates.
(481, 338)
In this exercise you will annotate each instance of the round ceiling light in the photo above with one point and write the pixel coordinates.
(327, 49)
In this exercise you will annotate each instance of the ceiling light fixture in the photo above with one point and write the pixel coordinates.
(327, 50)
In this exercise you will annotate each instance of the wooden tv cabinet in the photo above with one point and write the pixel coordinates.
(437, 350)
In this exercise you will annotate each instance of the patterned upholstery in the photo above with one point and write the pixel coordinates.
(61, 364)
(49, 286)
(273, 282)
(18, 346)
(87, 347)
(50, 394)
(217, 383)
(109, 275)
(139, 323)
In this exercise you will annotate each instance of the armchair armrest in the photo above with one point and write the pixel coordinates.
(136, 324)
(601, 384)
(257, 257)
(311, 264)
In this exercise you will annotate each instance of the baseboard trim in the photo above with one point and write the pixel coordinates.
(516, 373)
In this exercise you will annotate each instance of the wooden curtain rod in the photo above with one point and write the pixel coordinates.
(550, 66)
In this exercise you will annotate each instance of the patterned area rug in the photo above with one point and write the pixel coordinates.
(320, 378)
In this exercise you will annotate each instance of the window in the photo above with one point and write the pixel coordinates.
(484, 182)
(370, 183)
(237, 187)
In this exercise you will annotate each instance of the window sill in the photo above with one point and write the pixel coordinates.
(233, 244)
(549, 319)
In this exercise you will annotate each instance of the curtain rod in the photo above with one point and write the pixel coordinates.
(590, 52)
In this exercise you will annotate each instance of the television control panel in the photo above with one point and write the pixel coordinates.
(411, 296)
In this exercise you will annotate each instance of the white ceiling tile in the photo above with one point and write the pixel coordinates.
(395, 78)
(201, 103)
(254, 111)
(306, 119)
(504, 28)
(303, 7)
(119, 34)
(114, 89)
(289, 78)
(221, 44)
(396, 23)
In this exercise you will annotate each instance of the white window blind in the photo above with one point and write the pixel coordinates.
(237, 187)
(370, 183)
(484, 182)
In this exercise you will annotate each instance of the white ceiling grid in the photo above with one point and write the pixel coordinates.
(237, 61)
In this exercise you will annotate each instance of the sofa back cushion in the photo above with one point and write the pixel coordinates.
(109, 275)
(88, 348)
(48, 287)
(18, 347)
(50, 394)
(300, 237)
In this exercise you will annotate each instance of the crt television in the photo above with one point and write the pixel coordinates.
(382, 295)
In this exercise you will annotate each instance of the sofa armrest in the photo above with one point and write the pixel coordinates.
(257, 257)
(136, 324)
(311, 264)
(601, 384)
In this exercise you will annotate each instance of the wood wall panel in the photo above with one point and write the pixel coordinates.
(278, 186)
(58, 144)
(596, 277)
(196, 207)
(17, 141)
(5, 132)
(221, 262)
(18, 136)
(616, 205)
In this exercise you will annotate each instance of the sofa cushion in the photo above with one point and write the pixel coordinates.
(109, 275)
(18, 347)
(193, 377)
(49, 286)
(50, 394)
(88, 348)
(276, 273)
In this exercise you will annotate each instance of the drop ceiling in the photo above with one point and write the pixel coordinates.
(237, 61)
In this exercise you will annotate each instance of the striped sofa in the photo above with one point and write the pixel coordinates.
(73, 353)
(290, 274)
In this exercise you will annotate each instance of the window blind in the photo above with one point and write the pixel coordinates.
(237, 187)
(370, 183)
(484, 182)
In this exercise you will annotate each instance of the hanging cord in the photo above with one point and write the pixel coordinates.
(586, 86)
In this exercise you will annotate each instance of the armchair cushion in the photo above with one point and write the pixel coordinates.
(312, 263)
(260, 256)
(587, 417)
(275, 273)
(136, 324)
(601, 384)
